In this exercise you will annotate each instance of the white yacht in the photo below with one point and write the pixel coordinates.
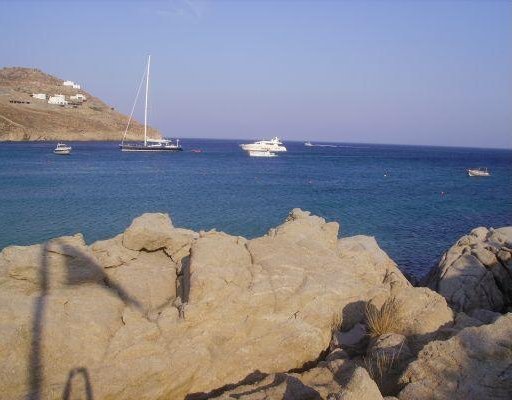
(274, 145)
(308, 144)
(148, 144)
(62, 149)
(260, 153)
(478, 172)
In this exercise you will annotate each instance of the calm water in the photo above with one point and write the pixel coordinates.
(98, 190)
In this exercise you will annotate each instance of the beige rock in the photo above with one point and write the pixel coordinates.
(472, 273)
(148, 232)
(360, 387)
(58, 263)
(474, 364)
(179, 244)
(423, 313)
(112, 253)
(269, 304)
(150, 279)
(278, 386)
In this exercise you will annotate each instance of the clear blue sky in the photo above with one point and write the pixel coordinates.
(411, 72)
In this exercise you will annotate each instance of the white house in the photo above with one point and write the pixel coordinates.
(78, 97)
(72, 84)
(58, 99)
(39, 96)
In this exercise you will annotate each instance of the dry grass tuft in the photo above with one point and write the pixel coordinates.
(386, 320)
(380, 364)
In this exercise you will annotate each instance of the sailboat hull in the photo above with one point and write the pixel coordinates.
(142, 148)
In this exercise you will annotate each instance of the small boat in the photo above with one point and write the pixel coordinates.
(260, 153)
(274, 145)
(308, 144)
(478, 172)
(196, 151)
(148, 145)
(62, 149)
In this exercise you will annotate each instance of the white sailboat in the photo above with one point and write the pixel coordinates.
(148, 145)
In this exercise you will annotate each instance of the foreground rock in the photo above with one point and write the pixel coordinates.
(476, 273)
(474, 364)
(161, 312)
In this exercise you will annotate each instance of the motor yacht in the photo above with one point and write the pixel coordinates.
(478, 172)
(274, 145)
(62, 149)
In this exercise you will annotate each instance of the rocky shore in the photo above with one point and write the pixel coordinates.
(160, 312)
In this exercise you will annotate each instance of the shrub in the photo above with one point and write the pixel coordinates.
(386, 320)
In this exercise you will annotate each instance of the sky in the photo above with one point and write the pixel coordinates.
(426, 72)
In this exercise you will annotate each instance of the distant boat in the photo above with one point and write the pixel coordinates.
(274, 145)
(62, 149)
(308, 144)
(149, 145)
(261, 153)
(478, 172)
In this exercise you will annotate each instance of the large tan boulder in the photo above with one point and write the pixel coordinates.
(359, 387)
(476, 272)
(148, 232)
(423, 314)
(159, 312)
(474, 364)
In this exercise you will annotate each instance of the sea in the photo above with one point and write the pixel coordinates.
(416, 201)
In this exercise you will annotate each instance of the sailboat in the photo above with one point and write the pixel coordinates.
(148, 144)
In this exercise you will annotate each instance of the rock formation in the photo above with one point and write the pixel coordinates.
(159, 312)
(164, 312)
(476, 272)
(474, 364)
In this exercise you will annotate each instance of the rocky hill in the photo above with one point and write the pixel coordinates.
(23, 117)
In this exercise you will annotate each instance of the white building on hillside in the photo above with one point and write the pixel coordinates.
(78, 97)
(39, 96)
(58, 99)
(72, 84)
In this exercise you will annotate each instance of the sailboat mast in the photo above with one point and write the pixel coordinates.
(146, 105)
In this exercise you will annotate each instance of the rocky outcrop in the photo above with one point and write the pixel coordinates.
(163, 312)
(474, 364)
(476, 273)
(25, 118)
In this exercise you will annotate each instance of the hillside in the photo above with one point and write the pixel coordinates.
(23, 117)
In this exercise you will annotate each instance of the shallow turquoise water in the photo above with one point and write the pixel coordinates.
(98, 190)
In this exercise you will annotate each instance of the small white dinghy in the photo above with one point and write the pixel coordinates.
(478, 172)
(259, 153)
(62, 149)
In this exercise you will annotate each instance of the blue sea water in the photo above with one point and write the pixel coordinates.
(416, 201)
